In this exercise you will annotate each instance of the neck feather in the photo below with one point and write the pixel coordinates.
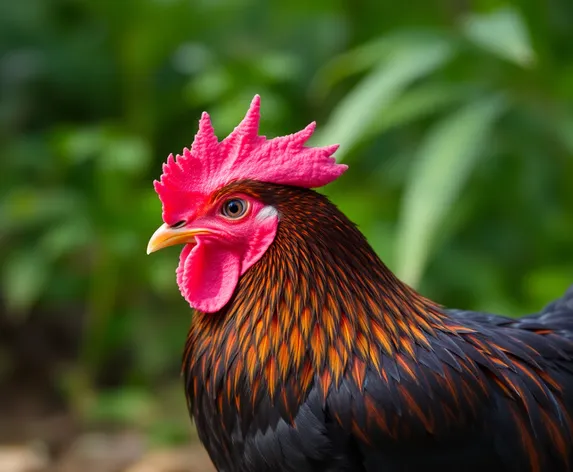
(320, 266)
(318, 301)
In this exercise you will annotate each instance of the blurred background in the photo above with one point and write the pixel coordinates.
(455, 116)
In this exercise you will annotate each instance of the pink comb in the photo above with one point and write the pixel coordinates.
(211, 164)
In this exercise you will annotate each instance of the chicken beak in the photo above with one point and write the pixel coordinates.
(166, 236)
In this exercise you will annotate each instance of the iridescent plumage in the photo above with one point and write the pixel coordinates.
(322, 360)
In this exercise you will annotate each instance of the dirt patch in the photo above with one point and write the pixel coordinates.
(104, 452)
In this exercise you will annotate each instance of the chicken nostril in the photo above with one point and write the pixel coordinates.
(179, 224)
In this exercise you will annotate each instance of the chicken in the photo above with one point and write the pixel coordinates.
(306, 353)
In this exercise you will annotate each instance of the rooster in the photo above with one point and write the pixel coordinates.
(307, 354)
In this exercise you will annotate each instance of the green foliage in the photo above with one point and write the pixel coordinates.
(401, 61)
(457, 123)
(444, 162)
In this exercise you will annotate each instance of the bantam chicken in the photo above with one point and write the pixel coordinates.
(306, 353)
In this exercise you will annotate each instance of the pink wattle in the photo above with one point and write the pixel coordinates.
(209, 271)
(210, 276)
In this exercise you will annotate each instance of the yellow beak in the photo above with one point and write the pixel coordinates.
(166, 236)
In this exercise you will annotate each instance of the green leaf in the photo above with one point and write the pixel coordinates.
(125, 153)
(208, 87)
(352, 62)
(24, 275)
(27, 206)
(547, 283)
(417, 103)
(503, 33)
(128, 405)
(278, 67)
(442, 166)
(563, 129)
(411, 60)
(66, 237)
(80, 144)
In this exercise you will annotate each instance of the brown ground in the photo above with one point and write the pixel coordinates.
(37, 438)
(104, 453)
(57, 447)
(54, 444)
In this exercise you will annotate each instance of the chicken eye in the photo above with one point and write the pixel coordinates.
(234, 208)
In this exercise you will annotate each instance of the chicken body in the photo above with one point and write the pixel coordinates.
(324, 361)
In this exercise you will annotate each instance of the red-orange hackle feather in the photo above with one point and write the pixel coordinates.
(321, 311)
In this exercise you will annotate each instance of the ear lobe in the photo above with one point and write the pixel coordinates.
(209, 276)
